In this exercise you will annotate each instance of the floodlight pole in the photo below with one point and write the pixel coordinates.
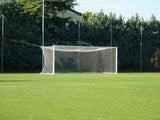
(42, 30)
(2, 42)
(141, 48)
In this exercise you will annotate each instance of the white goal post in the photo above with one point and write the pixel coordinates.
(79, 59)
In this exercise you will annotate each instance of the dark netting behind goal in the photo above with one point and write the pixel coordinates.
(65, 59)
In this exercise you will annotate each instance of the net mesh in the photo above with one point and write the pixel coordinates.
(48, 60)
(63, 59)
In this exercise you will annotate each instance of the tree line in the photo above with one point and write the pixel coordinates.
(23, 23)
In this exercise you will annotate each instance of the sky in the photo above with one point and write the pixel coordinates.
(127, 8)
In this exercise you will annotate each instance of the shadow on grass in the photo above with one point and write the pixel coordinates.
(16, 81)
(20, 73)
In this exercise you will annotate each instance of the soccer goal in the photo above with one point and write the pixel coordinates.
(79, 59)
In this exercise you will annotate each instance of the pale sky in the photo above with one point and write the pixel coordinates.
(127, 8)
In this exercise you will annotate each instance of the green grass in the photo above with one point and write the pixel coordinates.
(125, 96)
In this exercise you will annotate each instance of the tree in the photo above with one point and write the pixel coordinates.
(21, 24)
(87, 15)
(20, 27)
(34, 7)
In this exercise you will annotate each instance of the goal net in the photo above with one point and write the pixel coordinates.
(65, 59)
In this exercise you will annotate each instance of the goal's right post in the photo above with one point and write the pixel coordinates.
(109, 60)
(116, 60)
(53, 59)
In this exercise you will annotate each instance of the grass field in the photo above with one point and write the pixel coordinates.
(125, 96)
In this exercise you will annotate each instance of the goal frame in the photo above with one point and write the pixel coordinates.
(116, 57)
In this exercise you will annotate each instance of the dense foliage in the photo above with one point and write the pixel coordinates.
(100, 29)
(23, 23)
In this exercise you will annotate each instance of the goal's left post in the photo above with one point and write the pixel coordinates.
(49, 59)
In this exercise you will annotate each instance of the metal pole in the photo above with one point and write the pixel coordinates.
(111, 34)
(141, 48)
(111, 42)
(79, 43)
(2, 42)
(42, 30)
(79, 32)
